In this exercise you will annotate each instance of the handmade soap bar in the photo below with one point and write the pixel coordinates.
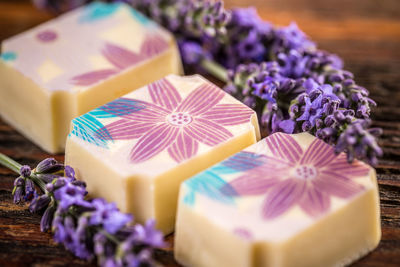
(288, 200)
(72, 64)
(137, 150)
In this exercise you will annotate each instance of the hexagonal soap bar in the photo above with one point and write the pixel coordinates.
(287, 200)
(137, 149)
(76, 62)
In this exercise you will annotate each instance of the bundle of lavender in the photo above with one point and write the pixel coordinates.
(277, 71)
(89, 228)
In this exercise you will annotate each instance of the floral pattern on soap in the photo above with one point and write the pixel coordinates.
(85, 46)
(175, 124)
(291, 177)
(211, 183)
(121, 59)
(87, 126)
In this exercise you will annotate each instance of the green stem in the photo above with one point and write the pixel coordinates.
(39, 182)
(214, 69)
(109, 236)
(9, 163)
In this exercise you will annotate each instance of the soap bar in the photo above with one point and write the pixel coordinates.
(287, 200)
(83, 59)
(136, 150)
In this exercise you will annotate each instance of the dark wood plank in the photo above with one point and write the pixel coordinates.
(365, 33)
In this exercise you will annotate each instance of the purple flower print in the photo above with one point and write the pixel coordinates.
(47, 36)
(176, 124)
(296, 177)
(121, 59)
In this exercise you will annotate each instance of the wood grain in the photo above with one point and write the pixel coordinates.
(365, 33)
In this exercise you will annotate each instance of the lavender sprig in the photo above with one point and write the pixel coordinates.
(88, 228)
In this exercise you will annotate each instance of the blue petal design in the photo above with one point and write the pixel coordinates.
(9, 56)
(85, 127)
(117, 108)
(139, 17)
(209, 184)
(98, 10)
(240, 162)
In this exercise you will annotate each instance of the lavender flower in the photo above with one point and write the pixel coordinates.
(39, 203)
(25, 171)
(47, 218)
(69, 172)
(30, 191)
(191, 52)
(18, 190)
(68, 194)
(88, 228)
(146, 234)
(291, 38)
(49, 165)
(108, 215)
(245, 39)
(304, 105)
(185, 17)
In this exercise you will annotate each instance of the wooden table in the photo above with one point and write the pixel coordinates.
(365, 33)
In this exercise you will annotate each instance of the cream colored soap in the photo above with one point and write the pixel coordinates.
(136, 150)
(76, 62)
(287, 200)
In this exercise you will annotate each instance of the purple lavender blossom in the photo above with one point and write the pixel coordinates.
(30, 191)
(39, 203)
(68, 194)
(191, 52)
(147, 235)
(108, 215)
(49, 165)
(69, 172)
(291, 38)
(18, 190)
(47, 218)
(25, 171)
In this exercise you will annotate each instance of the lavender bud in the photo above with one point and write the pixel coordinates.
(39, 203)
(337, 88)
(329, 120)
(375, 131)
(47, 218)
(18, 194)
(337, 77)
(69, 172)
(339, 116)
(25, 171)
(60, 182)
(79, 183)
(48, 165)
(306, 126)
(50, 187)
(319, 123)
(20, 182)
(348, 82)
(29, 189)
(47, 178)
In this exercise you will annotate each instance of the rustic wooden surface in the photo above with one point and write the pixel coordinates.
(365, 33)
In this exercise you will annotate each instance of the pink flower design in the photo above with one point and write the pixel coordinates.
(177, 124)
(294, 177)
(121, 59)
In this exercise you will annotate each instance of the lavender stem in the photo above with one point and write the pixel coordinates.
(215, 69)
(39, 182)
(10, 163)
